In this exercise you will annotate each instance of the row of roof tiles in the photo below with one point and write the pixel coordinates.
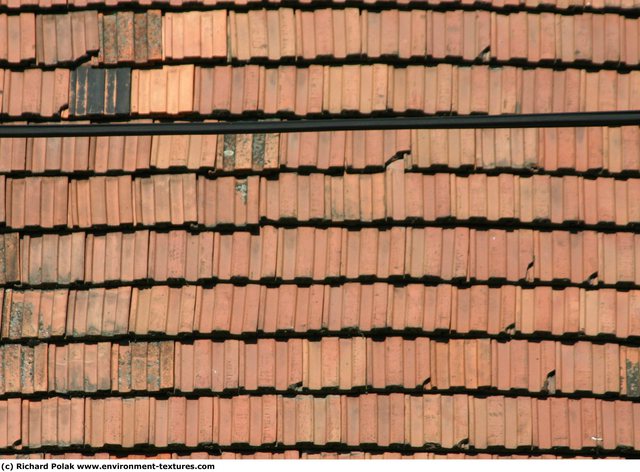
(316, 254)
(347, 308)
(614, 150)
(338, 34)
(394, 195)
(537, 198)
(125, 37)
(288, 454)
(313, 90)
(326, 364)
(561, 5)
(581, 149)
(366, 89)
(449, 421)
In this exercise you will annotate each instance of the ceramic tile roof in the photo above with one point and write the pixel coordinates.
(418, 294)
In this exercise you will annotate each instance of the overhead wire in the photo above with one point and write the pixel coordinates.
(538, 120)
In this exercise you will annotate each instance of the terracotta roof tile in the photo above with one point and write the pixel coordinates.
(18, 32)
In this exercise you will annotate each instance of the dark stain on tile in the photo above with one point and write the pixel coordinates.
(3, 262)
(257, 150)
(81, 90)
(110, 92)
(73, 78)
(95, 95)
(123, 90)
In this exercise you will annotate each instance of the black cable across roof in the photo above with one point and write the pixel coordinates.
(540, 120)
